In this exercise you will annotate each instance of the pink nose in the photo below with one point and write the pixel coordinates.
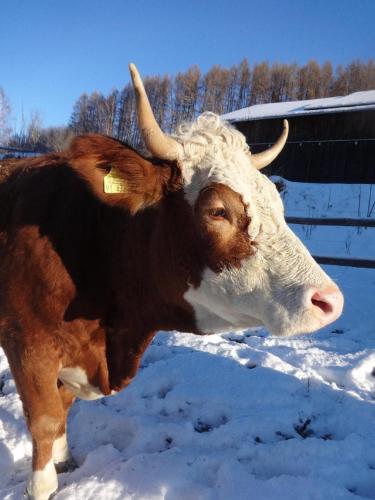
(327, 304)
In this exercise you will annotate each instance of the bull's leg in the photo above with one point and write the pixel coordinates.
(60, 451)
(45, 418)
(36, 379)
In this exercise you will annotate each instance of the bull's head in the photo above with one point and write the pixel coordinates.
(257, 271)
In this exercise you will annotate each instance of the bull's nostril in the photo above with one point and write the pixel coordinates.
(326, 307)
(327, 303)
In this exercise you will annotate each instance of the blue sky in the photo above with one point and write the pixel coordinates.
(51, 51)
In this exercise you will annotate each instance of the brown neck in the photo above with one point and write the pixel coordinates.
(156, 259)
(156, 264)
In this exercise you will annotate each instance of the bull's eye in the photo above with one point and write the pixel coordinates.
(218, 212)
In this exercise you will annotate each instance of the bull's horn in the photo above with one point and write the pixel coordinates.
(157, 143)
(261, 160)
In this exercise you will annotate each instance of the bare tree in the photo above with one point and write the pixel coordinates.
(104, 108)
(370, 74)
(326, 80)
(357, 76)
(308, 81)
(80, 121)
(231, 88)
(126, 114)
(215, 88)
(261, 83)
(340, 83)
(243, 98)
(184, 105)
(56, 138)
(283, 82)
(34, 130)
(158, 89)
(4, 116)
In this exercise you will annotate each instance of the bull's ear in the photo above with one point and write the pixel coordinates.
(118, 175)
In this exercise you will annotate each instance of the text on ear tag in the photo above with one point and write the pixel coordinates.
(114, 183)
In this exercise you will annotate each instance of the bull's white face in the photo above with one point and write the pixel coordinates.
(259, 272)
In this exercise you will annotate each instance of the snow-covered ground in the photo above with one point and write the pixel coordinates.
(234, 416)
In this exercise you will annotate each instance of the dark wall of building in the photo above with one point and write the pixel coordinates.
(350, 161)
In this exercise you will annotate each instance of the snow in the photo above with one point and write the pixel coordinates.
(233, 416)
(351, 102)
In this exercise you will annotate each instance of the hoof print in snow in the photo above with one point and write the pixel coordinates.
(201, 426)
(283, 435)
(168, 441)
(303, 428)
(237, 339)
(258, 440)
(327, 437)
(162, 393)
(338, 331)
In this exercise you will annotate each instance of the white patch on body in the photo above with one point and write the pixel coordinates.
(213, 307)
(43, 482)
(60, 450)
(270, 287)
(75, 379)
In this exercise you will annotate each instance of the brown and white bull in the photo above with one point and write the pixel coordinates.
(92, 265)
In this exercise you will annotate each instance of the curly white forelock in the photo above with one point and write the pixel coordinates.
(209, 136)
(214, 151)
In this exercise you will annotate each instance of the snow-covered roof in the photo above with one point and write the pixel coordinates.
(351, 102)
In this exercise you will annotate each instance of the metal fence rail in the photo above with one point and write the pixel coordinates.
(337, 261)
(345, 261)
(18, 150)
(315, 221)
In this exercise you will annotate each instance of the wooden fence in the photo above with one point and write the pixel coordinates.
(337, 261)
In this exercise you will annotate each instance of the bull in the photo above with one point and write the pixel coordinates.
(100, 247)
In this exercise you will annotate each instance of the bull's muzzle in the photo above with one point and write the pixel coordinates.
(327, 303)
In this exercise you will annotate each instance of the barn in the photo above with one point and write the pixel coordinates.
(330, 140)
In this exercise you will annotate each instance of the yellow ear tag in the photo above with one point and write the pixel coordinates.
(114, 183)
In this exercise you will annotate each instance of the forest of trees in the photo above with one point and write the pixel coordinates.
(182, 97)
